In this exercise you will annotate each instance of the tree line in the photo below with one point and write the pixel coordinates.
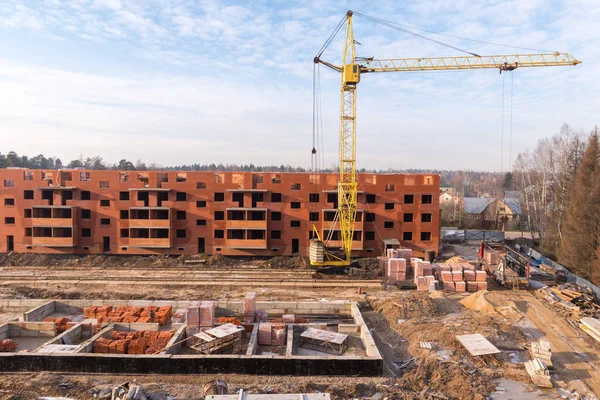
(560, 185)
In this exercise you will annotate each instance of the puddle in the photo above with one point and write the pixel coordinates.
(512, 390)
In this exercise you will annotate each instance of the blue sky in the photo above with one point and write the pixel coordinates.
(177, 82)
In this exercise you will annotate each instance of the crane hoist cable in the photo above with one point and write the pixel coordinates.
(502, 130)
(512, 82)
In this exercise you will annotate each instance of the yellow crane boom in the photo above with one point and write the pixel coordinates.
(350, 70)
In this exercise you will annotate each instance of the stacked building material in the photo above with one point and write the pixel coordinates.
(396, 270)
(261, 316)
(423, 275)
(278, 334)
(178, 316)
(163, 314)
(249, 306)
(207, 313)
(101, 345)
(7, 345)
(449, 286)
(460, 286)
(62, 324)
(288, 318)
(192, 316)
(383, 262)
(138, 346)
(118, 347)
(264, 334)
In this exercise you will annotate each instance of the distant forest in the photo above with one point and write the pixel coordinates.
(12, 159)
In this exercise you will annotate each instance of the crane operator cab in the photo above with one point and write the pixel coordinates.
(351, 74)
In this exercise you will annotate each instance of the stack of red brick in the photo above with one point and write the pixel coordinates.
(423, 274)
(62, 324)
(272, 334)
(461, 277)
(7, 345)
(137, 342)
(129, 314)
(249, 306)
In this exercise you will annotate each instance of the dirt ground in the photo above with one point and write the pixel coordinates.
(400, 321)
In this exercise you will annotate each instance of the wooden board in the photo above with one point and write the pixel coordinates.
(477, 345)
(325, 336)
(224, 330)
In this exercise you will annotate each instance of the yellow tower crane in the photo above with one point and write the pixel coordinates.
(351, 69)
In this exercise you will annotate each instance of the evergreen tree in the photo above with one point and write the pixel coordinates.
(577, 246)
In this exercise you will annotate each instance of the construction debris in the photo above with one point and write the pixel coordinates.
(128, 391)
(538, 372)
(7, 345)
(542, 351)
(591, 326)
(572, 299)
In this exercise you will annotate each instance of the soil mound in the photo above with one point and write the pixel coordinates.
(477, 301)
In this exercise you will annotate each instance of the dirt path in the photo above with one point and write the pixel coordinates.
(574, 355)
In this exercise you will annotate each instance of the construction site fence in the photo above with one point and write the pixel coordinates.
(571, 277)
(452, 234)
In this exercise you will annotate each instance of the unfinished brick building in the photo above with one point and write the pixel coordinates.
(241, 214)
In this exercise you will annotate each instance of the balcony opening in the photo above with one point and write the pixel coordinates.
(28, 213)
(219, 215)
(62, 213)
(85, 195)
(143, 196)
(161, 178)
(160, 197)
(180, 196)
(42, 232)
(333, 198)
(181, 177)
(329, 216)
(42, 213)
(236, 215)
(159, 233)
(357, 235)
(140, 214)
(139, 233)
(28, 232)
(239, 198)
(257, 215)
(47, 195)
(62, 232)
(143, 178)
(256, 180)
(256, 234)
(124, 214)
(65, 196)
(334, 235)
(371, 198)
(257, 198)
(237, 234)
(125, 233)
(84, 176)
(159, 214)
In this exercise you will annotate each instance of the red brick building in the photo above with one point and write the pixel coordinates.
(250, 213)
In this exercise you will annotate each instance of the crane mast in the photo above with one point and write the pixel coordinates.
(350, 70)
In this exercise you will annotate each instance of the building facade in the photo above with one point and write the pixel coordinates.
(229, 213)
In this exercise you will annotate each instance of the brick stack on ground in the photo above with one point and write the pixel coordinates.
(460, 277)
(128, 314)
(137, 342)
(396, 266)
